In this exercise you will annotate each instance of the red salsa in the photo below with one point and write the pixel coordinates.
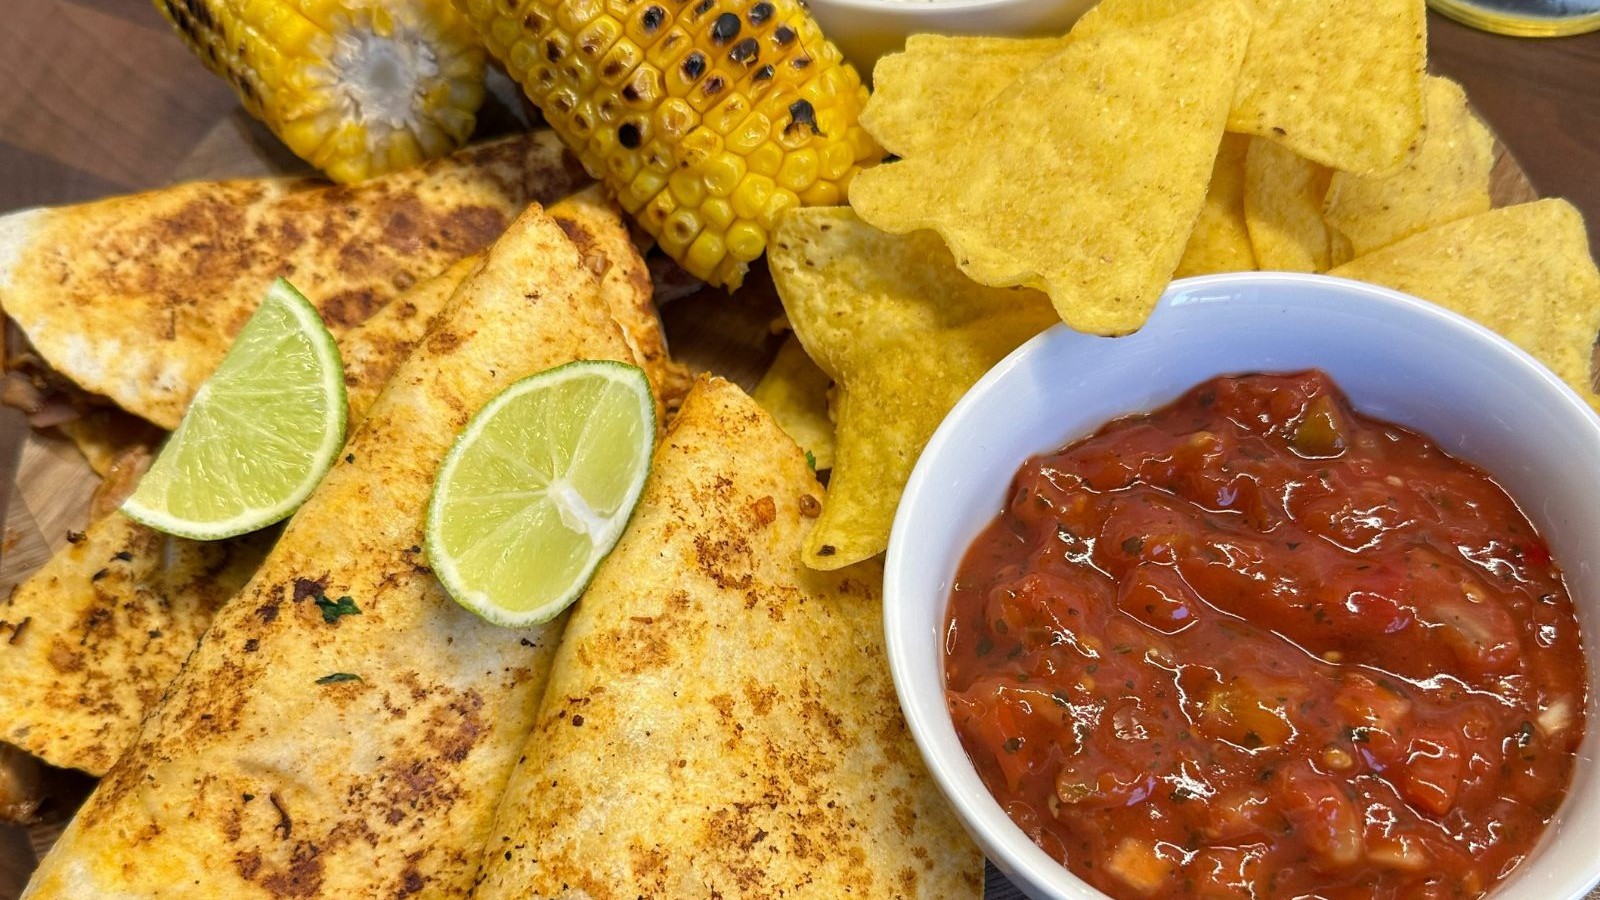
(1257, 645)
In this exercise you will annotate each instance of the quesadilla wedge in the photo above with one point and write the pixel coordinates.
(719, 719)
(311, 754)
(112, 618)
(136, 298)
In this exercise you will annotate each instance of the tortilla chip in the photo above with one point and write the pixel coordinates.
(1220, 241)
(1447, 179)
(1084, 178)
(931, 90)
(760, 780)
(795, 393)
(904, 335)
(1524, 271)
(1283, 196)
(137, 298)
(1338, 82)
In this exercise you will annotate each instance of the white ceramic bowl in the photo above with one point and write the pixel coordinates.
(867, 29)
(1398, 358)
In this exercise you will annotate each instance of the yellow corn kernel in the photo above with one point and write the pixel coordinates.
(682, 227)
(704, 253)
(355, 89)
(709, 118)
(746, 241)
(717, 213)
(799, 170)
(751, 196)
(821, 193)
(781, 201)
(765, 159)
(723, 173)
(687, 187)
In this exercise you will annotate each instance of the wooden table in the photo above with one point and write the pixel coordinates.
(101, 98)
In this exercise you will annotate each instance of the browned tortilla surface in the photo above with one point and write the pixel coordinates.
(111, 619)
(720, 720)
(136, 298)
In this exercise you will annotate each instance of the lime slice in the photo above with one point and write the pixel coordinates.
(537, 489)
(259, 434)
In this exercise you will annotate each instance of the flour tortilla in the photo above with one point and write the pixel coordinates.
(136, 298)
(112, 618)
(294, 756)
(720, 719)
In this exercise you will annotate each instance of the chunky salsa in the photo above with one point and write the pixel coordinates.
(1255, 644)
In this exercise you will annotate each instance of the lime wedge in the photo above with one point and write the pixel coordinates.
(538, 488)
(259, 434)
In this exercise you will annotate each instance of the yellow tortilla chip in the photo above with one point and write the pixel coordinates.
(1447, 179)
(1283, 196)
(795, 393)
(1220, 241)
(1524, 271)
(1337, 81)
(922, 95)
(892, 320)
(1084, 177)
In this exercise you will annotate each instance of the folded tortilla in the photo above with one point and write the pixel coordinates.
(136, 298)
(720, 720)
(308, 755)
(111, 618)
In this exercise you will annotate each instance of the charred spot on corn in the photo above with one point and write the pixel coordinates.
(725, 28)
(803, 115)
(687, 109)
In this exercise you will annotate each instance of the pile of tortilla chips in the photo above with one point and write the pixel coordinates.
(1158, 139)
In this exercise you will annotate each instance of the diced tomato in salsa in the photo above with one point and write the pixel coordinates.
(1257, 645)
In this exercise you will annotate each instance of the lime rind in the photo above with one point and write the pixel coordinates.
(538, 488)
(239, 460)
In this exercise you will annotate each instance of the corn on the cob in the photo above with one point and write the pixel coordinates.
(708, 118)
(354, 87)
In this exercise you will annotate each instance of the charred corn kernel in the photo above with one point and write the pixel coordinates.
(354, 87)
(682, 227)
(676, 119)
(655, 213)
(709, 118)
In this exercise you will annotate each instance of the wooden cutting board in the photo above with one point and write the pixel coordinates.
(734, 337)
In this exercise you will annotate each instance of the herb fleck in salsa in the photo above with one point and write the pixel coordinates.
(1256, 645)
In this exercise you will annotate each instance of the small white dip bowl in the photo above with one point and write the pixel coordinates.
(1397, 358)
(867, 29)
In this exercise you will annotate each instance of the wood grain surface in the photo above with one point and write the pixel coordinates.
(102, 99)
